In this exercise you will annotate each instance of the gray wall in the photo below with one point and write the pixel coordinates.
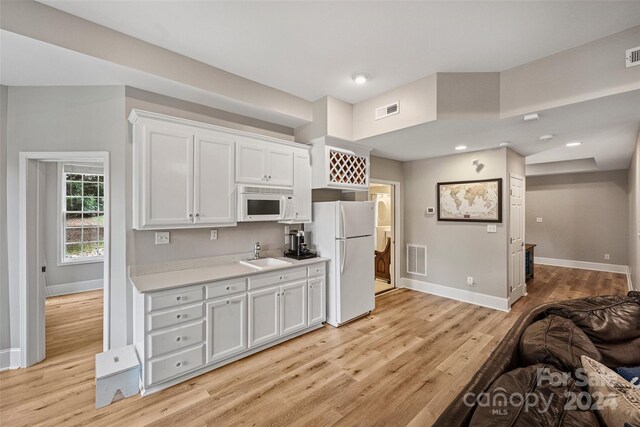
(634, 217)
(4, 274)
(65, 273)
(584, 216)
(455, 250)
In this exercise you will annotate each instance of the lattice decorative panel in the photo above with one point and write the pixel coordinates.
(346, 168)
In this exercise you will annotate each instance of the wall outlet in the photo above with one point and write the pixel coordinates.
(470, 281)
(214, 234)
(539, 219)
(492, 228)
(162, 238)
(607, 256)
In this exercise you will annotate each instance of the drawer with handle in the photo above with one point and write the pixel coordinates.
(174, 339)
(175, 364)
(225, 288)
(183, 314)
(160, 300)
(316, 270)
(282, 276)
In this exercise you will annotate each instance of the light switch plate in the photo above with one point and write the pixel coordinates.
(214, 234)
(492, 228)
(162, 238)
(539, 219)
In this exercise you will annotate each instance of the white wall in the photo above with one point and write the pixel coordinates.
(634, 216)
(456, 250)
(61, 274)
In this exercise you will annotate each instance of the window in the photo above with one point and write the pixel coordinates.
(82, 213)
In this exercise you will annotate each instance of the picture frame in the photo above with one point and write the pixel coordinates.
(458, 203)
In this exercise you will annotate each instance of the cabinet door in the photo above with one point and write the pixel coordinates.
(293, 307)
(215, 198)
(302, 186)
(251, 163)
(280, 166)
(263, 316)
(167, 175)
(316, 304)
(226, 327)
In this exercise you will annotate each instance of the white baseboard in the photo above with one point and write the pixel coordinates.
(9, 359)
(74, 288)
(463, 295)
(583, 265)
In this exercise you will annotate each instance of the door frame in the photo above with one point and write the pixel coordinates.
(524, 238)
(29, 311)
(397, 225)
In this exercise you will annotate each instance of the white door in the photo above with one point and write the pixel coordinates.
(302, 186)
(293, 307)
(354, 219)
(214, 186)
(167, 175)
(280, 167)
(263, 316)
(517, 285)
(226, 327)
(356, 293)
(251, 163)
(315, 300)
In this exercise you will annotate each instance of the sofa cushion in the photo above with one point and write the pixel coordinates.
(557, 341)
(612, 323)
(618, 400)
(531, 396)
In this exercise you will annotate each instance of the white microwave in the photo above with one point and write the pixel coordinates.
(257, 203)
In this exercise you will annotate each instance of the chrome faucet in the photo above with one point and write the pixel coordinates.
(256, 251)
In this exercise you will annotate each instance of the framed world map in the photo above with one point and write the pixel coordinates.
(470, 201)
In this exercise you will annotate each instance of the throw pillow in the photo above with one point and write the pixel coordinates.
(617, 399)
(630, 374)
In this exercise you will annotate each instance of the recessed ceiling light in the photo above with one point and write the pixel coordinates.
(504, 144)
(574, 144)
(545, 138)
(529, 117)
(461, 147)
(360, 78)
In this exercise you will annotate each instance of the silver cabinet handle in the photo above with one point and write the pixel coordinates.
(178, 339)
(228, 301)
(197, 215)
(178, 364)
(179, 316)
(179, 298)
(190, 215)
(228, 288)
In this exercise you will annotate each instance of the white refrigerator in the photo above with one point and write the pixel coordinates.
(343, 232)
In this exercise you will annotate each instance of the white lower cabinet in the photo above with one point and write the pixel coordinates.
(226, 327)
(185, 331)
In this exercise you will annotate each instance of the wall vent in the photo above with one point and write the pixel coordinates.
(387, 110)
(417, 259)
(633, 57)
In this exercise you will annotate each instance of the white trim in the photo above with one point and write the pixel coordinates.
(463, 295)
(397, 224)
(25, 316)
(74, 288)
(9, 359)
(629, 279)
(524, 237)
(583, 265)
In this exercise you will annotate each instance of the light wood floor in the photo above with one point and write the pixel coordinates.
(400, 366)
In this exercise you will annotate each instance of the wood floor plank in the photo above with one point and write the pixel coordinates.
(401, 365)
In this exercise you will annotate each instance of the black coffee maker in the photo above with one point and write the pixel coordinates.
(297, 247)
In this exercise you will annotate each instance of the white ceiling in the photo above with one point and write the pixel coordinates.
(311, 49)
(607, 128)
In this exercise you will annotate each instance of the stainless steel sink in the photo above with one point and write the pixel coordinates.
(264, 263)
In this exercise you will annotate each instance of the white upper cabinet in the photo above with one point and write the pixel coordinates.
(301, 187)
(214, 202)
(340, 164)
(264, 163)
(183, 176)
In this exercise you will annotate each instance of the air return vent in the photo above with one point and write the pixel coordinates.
(387, 110)
(633, 57)
(417, 259)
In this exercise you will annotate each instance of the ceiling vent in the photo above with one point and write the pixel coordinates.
(417, 259)
(387, 110)
(633, 57)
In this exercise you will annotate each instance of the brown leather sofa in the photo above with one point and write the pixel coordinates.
(611, 323)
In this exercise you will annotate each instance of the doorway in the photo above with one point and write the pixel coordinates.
(517, 281)
(64, 227)
(384, 196)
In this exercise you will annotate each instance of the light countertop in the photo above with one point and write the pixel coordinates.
(184, 276)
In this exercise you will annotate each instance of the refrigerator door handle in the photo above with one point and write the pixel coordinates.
(343, 232)
(343, 253)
